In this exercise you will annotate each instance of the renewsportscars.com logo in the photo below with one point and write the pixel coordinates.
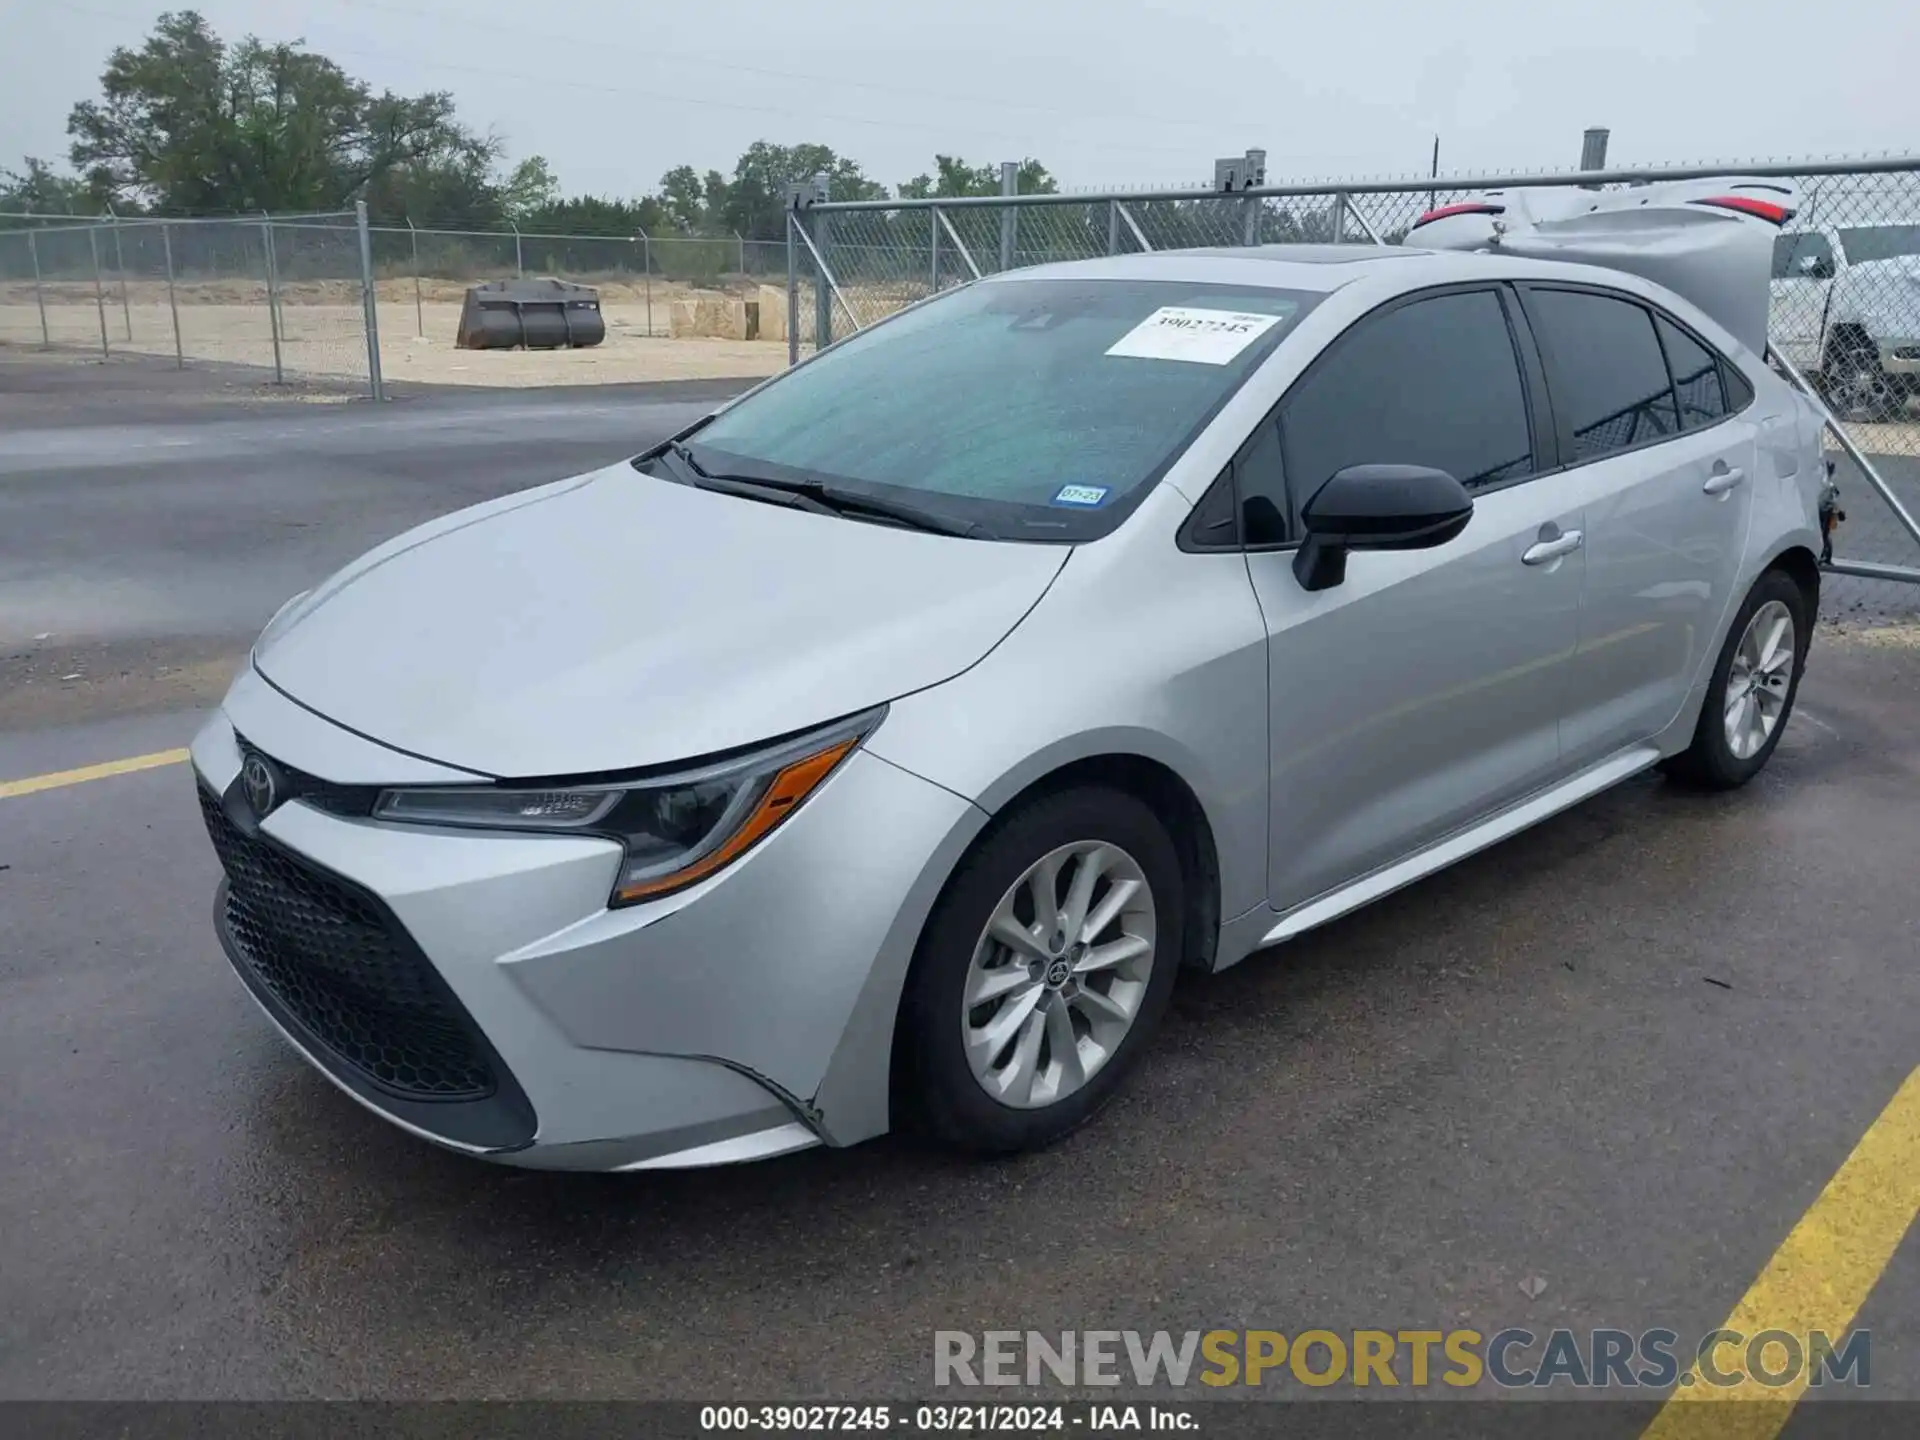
(1513, 1358)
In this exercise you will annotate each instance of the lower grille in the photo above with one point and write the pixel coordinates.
(342, 967)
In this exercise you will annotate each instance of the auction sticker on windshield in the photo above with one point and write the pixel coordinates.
(1185, 332)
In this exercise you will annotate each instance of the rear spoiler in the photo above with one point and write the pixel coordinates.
(1709, 241)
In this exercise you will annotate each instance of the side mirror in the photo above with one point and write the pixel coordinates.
(1377, 507)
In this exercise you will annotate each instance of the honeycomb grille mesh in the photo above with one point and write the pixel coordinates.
(336, 961)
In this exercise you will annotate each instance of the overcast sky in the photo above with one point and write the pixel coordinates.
(1105, 92)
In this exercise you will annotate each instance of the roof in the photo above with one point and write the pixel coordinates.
(1309, 254)
(1319, 268)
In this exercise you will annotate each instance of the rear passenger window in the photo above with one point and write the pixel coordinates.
(1609, 379)
(1696, 376)
(1739, 390)
(1434, 382)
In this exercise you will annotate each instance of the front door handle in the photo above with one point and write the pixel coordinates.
(1721, 481)
(1544, 551)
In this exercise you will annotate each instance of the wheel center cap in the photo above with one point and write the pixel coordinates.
(1059, 971)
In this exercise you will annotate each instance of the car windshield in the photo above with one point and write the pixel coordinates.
(1028, 409)
(1800, 253)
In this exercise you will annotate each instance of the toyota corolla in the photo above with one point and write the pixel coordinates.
(880, 749)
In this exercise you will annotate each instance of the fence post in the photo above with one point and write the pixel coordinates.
(120, 269)
(273, 299)
(368, 302)
(166, 245)
(519, 265)
(933, 243)
(99, 299)
(1009, 185)
(1593, 151)
(793, 292)
(822, 292)
(742, 241)
(39, 296)
(646, 277)
(419, 317)
(1113, 227)
(1339, 217)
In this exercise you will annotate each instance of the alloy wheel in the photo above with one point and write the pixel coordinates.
(1058, 974)
(1758, 679)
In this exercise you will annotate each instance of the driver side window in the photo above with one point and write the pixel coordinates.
(1433, 382)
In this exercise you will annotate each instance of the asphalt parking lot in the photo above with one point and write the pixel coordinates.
(1592, 1078)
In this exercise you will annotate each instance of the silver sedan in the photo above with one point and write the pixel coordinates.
(877, 752)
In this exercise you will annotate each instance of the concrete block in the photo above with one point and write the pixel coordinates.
(773, 312)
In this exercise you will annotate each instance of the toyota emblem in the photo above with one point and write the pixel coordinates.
(262, 784)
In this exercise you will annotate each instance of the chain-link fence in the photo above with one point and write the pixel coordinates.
(287, 296)
(1845, 309)
(723, 289)
(640, 276)
(283, 296)
(294, 296)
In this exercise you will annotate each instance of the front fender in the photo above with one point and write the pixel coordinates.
(1138, 651)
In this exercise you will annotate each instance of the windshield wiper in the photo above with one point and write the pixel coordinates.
(848, 502)
(818, 497)
(684, 453)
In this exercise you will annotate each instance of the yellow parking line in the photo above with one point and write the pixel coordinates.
(1817, 1280)
(85, 773)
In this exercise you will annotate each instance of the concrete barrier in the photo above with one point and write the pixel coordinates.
(759, 314)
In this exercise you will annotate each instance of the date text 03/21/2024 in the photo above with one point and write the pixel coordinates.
(937, 1419)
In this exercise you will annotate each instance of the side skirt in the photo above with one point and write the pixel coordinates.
(1602, 775)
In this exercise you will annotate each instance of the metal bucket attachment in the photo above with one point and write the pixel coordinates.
(530, 314)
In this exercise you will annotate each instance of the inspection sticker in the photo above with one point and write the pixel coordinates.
(1183, 332)
(1088, 495)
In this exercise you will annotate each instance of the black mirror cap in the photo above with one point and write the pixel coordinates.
(1377, 507)
(1388, 507)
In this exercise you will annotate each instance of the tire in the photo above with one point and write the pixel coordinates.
(1715, 761)
(1855, 388)
(978, 1096)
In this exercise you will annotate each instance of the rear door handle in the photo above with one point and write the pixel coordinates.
(1721, 481)
(1544, 551)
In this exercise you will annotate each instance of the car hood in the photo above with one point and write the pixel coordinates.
(1883, 294)
(618, 621)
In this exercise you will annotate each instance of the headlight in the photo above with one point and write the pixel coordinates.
(676, 829)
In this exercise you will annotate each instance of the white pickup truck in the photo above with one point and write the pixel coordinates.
(1845, 309)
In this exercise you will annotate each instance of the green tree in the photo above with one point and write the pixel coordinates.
(38, 188)
(684, 199)
(531, 188)
(756, 197)
(456, 188)
(188, 122)
(713, 191)
(954, 179)
(593, 215)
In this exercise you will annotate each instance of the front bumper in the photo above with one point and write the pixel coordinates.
(474, 989)
(1900, 357)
